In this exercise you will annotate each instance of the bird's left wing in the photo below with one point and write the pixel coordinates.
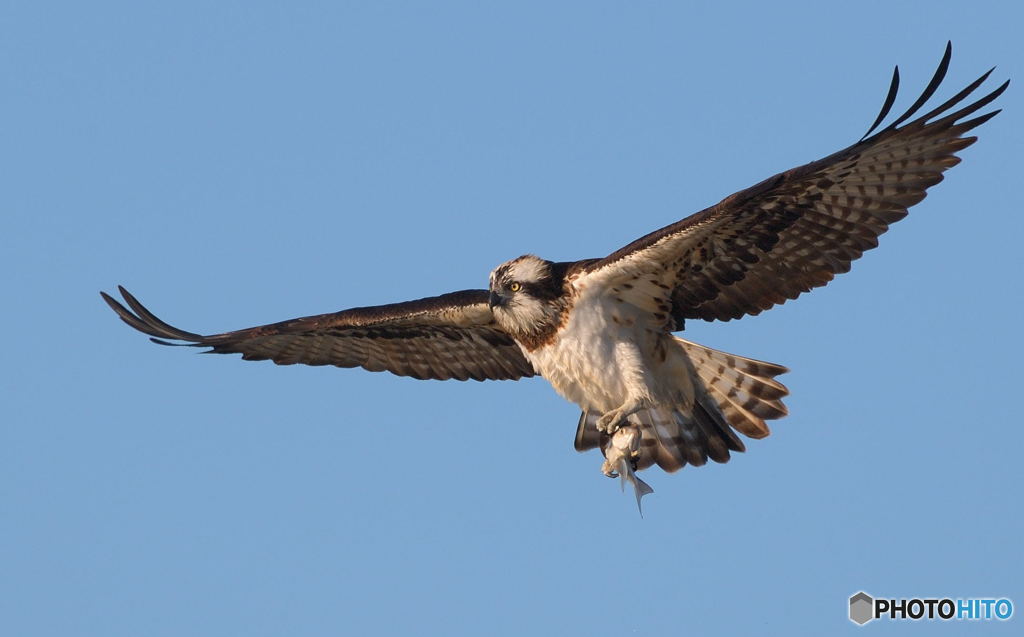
(449, 336)
(797, 230)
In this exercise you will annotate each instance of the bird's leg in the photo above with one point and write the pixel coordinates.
(636, 377)
(611, 421)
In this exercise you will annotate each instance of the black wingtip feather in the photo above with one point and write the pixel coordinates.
(167, 331)
(967, 90)
(890, 99)
(169, 344)
(973, 107)
(126, 316)
(963, 127)
(146, 322)
(933, 85)
(929, 91)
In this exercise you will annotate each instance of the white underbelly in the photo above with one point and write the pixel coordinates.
(601, 360)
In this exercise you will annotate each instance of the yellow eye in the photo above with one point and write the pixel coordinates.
(515, 286)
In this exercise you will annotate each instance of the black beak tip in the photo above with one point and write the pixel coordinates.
(493, 299)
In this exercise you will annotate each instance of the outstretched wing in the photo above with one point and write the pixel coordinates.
(449, 336)
(797, 230)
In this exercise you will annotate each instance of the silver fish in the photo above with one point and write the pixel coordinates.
(620, 453)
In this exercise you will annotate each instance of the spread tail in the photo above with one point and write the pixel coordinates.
(732, 392)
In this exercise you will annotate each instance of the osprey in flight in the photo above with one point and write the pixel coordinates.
(601, 330)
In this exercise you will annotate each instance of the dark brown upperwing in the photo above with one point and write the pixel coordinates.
(441, 337)
(797, 230)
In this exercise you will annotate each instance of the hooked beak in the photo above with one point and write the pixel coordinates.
(495, 299)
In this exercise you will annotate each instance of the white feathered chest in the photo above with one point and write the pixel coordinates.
(602, 355)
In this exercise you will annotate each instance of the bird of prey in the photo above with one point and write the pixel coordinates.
(601, 330)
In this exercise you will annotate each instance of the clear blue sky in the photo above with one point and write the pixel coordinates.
(238, 163)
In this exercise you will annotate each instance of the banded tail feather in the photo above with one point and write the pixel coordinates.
(743, 389)
(733, 392)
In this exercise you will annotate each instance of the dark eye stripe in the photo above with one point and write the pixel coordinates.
(546, 291)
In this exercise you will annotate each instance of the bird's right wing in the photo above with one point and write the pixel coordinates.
(449, 336)
(795, 231)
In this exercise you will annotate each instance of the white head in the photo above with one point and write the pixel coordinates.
(526, 296)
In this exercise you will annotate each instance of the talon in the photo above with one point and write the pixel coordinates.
(609, 423)
(608, 469)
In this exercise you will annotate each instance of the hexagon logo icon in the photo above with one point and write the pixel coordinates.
(861, 606)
